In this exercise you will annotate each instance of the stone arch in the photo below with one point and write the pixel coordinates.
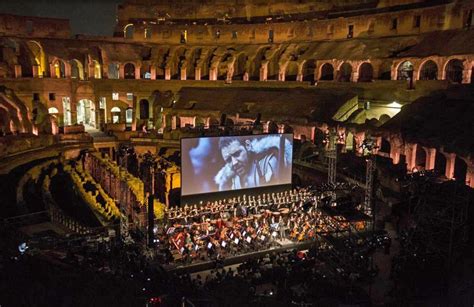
(59, 67)
(255, 64)
(129, 71)
(344, 72)
(385, 146)
(39, 57)
(223, 64)
(454, 70)
(116, 115)
(86, 112)
(26, 59)
(144, 107)
(366, 72)
(327, 72)
(145, 71)
(309, 70)
(129, 31)
(179, 62)
(291, 71)
(405, 71)
(460, 169)
(428, 71)
(53, 110)
(240, 66)
(113, 71)
(440, 163)
(77, 69)
(420, 159)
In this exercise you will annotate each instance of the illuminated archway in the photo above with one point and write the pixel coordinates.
(429, 71)
(39, 57)
(291, 71)
(454, 70)
(405, 71)
(113, 71)
(128, 31)
(86, 113)
(97, 70)
(309, 69)
(345, 72)
(129, 71)
(327, 72)
(77, 70)
(59, 69)
(366, 72)
(116, 115)
(239, 66)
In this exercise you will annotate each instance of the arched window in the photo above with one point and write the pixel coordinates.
(308, 70)
(291, 71)
(345, 72)
(327, 72)
(405, 71)
(129, 71)
(113, 72)
(429, 71)
(128, 31)
(454, 70)
(115, 114)
(366, 72)
(77, 71)
(53, 110)
(59, 69)
(97, 70)
(144, 109)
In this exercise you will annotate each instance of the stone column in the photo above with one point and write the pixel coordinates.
(281, 74)
(167, 73)
(35, 71)
(466, 73)
(153, 73)
(450, 162)
(213, 73)
(245, 76)
(183, 74)
(354, 76)
(197, 73)
(52, 71)
(395, 152)
(121, 71)
(18, 71)
(410, 154)
(430, 158)
(264, 72)
(137, 72)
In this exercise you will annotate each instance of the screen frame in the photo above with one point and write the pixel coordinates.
(246, 189)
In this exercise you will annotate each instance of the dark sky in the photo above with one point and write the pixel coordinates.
(95, 17)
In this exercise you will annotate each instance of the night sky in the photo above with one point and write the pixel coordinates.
(96, 17)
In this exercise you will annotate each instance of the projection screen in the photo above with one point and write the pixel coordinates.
(214, 164)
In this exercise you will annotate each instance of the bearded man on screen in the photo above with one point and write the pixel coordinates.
(249, 163)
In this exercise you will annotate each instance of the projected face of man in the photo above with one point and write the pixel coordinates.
(236, 156)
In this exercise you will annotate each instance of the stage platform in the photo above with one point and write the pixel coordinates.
(208, 265)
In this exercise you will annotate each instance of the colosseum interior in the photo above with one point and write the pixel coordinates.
(331, 73)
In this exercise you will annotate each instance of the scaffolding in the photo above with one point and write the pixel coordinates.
(331, 156)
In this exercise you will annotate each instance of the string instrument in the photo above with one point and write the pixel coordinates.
(303, 232)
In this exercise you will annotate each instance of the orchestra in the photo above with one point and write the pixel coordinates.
(246, 223)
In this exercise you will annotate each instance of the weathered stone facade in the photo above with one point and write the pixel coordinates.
(378, 58)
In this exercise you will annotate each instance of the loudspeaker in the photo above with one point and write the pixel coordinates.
(223, 119)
